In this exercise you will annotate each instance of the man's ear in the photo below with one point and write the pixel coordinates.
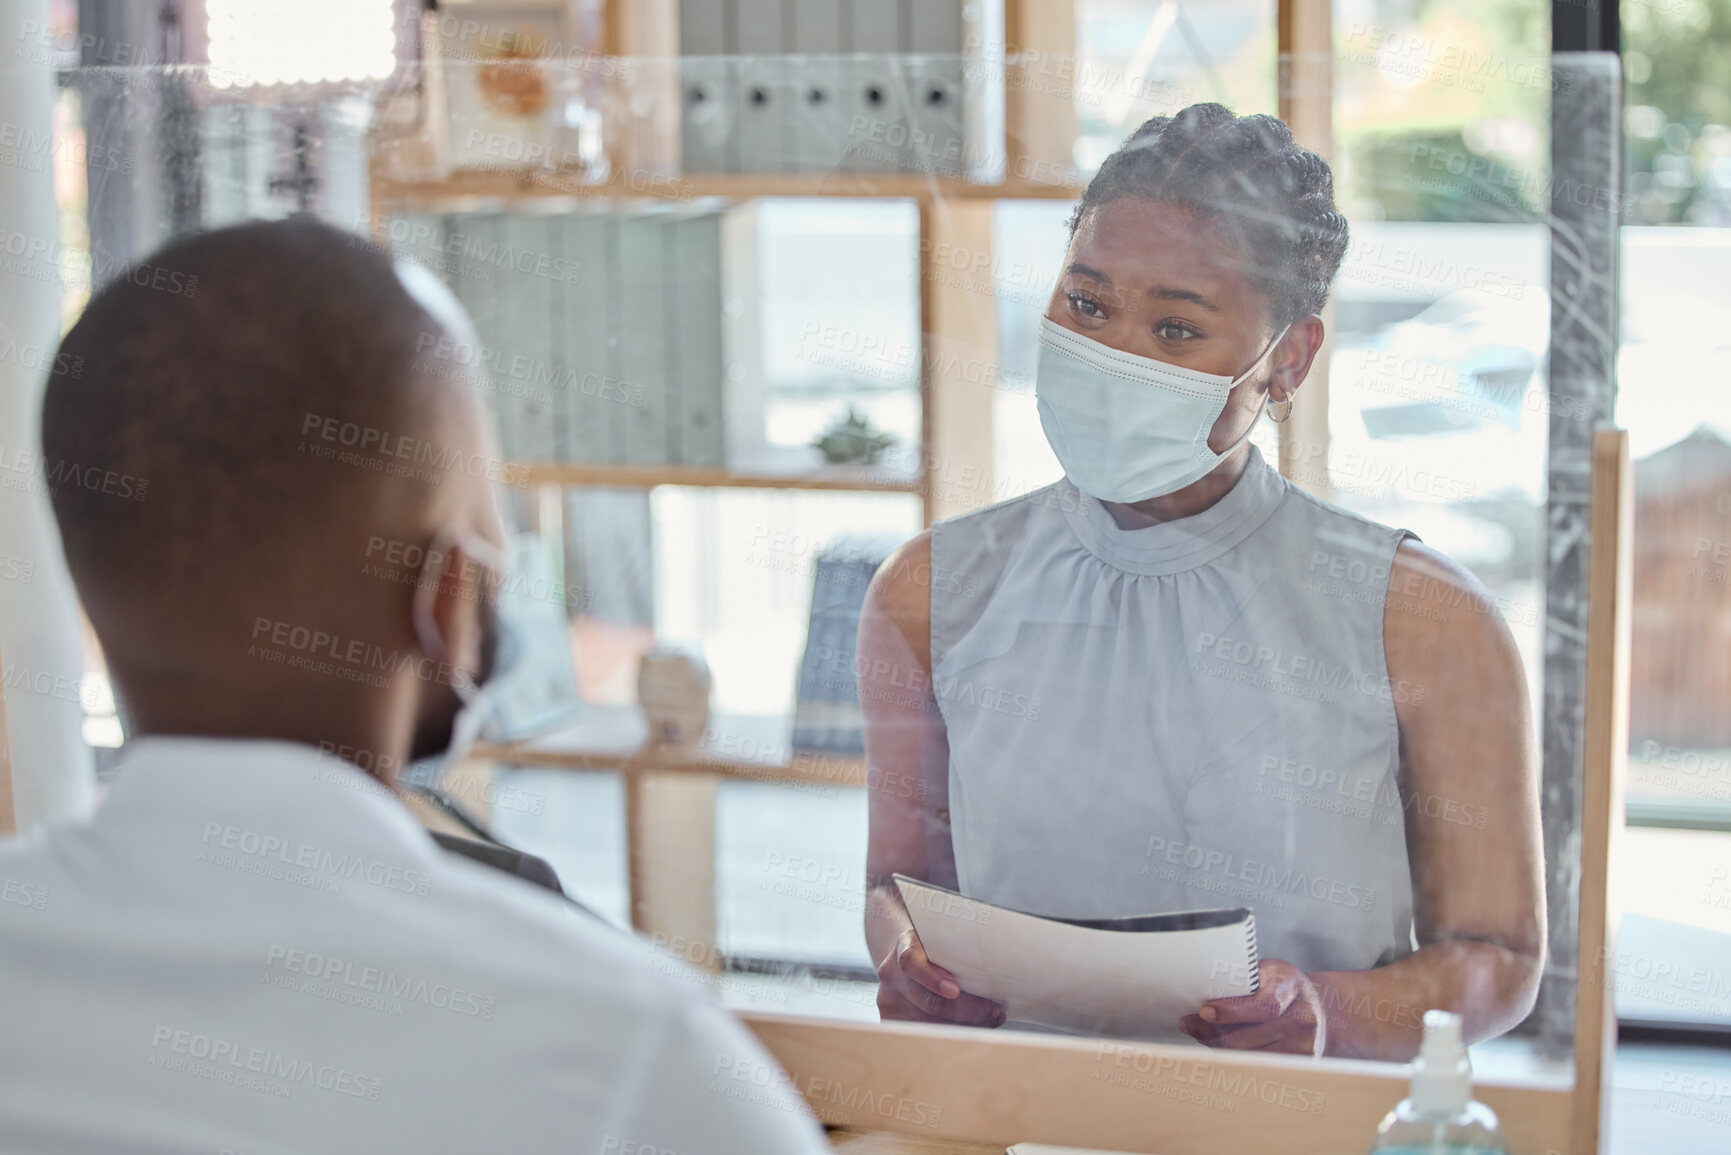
(1290, 362)
(451, 607)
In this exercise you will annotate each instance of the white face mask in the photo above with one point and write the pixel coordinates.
(477, 717)
(1128, 428)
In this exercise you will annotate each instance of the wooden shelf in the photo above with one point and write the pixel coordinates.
(536, 184)
(615, 738)
(842, 478)
(804, 768)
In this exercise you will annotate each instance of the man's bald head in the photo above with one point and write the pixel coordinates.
(264, 439)
(269, 389)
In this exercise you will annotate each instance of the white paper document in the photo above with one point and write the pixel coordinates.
(1125, 977)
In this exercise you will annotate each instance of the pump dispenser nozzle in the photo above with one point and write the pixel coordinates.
(1442, 1075)
(1439, 1115)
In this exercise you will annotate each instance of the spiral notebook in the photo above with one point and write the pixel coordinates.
(1129, 977)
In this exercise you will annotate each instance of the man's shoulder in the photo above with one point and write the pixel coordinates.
(572, 1022)
(671, 1042)
(498, 921)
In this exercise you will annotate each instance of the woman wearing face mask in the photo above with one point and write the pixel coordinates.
(1173, 680)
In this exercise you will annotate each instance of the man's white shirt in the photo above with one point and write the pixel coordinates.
(253, 948)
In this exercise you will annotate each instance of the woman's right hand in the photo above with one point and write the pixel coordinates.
(913, 987)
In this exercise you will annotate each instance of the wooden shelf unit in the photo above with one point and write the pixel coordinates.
(964, 318)
(954, 215)
(958, 318)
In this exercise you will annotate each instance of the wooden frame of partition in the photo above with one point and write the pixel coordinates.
(986, 1087)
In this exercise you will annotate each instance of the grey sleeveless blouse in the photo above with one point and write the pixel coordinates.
(1192, 714)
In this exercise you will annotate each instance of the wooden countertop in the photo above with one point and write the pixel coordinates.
(890, 1143)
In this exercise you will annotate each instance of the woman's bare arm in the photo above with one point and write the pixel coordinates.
(907, 777)
(1471, 798)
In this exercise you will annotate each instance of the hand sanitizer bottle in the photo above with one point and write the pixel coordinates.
(1440, 1115)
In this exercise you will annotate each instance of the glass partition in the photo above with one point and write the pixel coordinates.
(725, 396)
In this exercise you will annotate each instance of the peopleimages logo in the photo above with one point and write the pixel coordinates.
(405, 449)
(1200, 860)
(831, 1101)
(255, 852)
(32, 473)
(351, 659)
(1305, 668)
(340, 973)
(41, 357)
(18, 893)
(1211, 1084)
(257, 1068)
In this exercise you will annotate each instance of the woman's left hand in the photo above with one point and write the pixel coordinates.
(1285, 1014)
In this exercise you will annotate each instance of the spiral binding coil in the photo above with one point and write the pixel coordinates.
(1255, 960)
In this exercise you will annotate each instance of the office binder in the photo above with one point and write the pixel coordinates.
(585, 432)
(762, 100)
(709, 87)
(873, 26)
(1124, 977)
(815, 112)
(937, 140)
(935, 72)
(879, 131)
(698, 436)
(874, 106)
(565, 375)
(475, 240)
(934, 27)
(467, 233)
(703, 27)
(502, 336)
(644, 335)
(709, 116)
(744, 381)
(765, 92)
(526, 353)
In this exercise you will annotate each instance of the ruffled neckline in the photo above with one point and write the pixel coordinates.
(1170, 547)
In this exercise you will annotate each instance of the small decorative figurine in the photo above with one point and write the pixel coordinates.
(673, 691)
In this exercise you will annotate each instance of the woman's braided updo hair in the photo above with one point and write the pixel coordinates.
(1247, 174)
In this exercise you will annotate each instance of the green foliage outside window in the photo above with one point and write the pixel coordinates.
(1443, 109)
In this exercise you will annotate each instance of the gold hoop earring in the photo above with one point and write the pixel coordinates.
(1285, 413)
